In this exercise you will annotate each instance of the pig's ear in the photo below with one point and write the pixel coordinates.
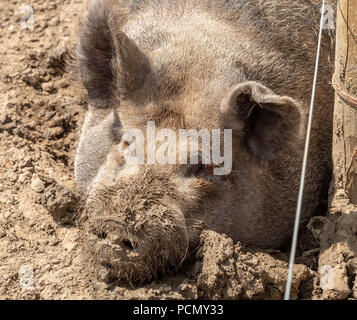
(267, 123)
(107, 60)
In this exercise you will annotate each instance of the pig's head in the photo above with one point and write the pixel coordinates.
(147, 216)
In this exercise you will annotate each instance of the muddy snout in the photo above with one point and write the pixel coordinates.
(137, 248)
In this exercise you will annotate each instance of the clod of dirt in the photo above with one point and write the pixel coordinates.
(316, 225)
(60, 202)
(32, 80)
(58, 126)
(231, 272)
(56, 60)
(37, 184)
(337, 261)
(4, 118)
(48, 87)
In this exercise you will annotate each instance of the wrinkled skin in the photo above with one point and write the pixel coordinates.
(241, 65)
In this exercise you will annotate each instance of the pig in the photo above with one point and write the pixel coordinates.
(245, 66)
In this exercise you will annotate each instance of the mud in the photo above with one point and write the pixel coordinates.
(41, 110)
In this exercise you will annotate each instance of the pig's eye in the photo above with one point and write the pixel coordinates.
(125, 144)
(199, 169)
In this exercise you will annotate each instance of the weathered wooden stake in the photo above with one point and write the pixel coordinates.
(345, 114)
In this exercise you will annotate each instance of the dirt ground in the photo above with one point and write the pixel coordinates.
(41, 110)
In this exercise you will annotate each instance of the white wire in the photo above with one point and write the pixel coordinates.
(303, 172)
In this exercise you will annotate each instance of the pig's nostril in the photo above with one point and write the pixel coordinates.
(102, 235)
(127, 244)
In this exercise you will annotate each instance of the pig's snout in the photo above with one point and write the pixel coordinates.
(136, 248)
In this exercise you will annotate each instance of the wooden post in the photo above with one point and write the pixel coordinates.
(338, 238)
(338, 244)
(345, 113)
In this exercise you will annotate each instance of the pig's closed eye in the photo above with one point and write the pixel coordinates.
(194, 170)
(205, 170)
(201, 169)
(125, 144)
(198, 169)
